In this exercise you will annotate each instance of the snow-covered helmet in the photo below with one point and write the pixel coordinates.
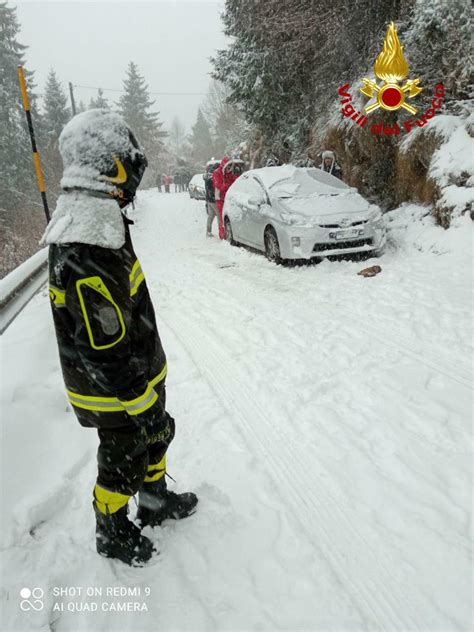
(101, 154)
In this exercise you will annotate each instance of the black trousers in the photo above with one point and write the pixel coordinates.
(125, 453)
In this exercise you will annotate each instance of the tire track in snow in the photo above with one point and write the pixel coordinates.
(392, 335)
(376, 588)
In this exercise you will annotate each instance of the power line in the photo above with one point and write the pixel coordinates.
(162, 94)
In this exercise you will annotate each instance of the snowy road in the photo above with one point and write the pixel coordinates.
(324, 420)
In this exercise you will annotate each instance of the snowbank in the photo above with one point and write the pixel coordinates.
(412, 227)
(452, 163)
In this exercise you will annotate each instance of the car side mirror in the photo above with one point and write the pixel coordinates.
(255, 202)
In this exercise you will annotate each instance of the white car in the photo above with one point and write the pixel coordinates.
(196, 187)
(297, 213)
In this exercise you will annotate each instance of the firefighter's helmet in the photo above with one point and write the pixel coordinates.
(100, 153)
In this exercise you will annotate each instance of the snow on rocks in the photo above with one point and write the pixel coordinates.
(452, 164)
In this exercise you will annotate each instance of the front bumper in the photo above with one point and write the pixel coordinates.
(333, 241)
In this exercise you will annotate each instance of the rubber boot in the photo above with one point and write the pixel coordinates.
(119, 538)
(156, 503)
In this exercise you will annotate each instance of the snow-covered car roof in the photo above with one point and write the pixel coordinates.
(290, 180)
(197, 179)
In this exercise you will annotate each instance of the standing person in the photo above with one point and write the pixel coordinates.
(226, 174)
(167, 180)
(211, 209)
(330, 165)
(112, 360)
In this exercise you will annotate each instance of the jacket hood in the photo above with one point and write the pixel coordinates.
(86, 219)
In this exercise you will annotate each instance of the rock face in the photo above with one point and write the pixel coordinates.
(433, 165)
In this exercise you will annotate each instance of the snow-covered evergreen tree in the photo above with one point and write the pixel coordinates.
(286, 59)
(135, 105)
(177, 139)
(439, 43)
(56, 111)
(56, 115)
(100, 101)
(21, 216)
(201, 140)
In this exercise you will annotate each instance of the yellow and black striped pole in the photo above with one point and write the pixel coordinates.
(36, 160)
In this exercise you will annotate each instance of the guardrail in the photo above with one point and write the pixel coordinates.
(19, 287)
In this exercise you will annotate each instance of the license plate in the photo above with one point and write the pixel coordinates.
(346, 234)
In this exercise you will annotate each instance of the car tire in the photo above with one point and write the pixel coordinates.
(229, 235)
(272, 246)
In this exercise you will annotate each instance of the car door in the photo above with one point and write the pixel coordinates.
(252, 218)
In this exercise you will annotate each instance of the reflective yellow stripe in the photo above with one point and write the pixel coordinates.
(135, 267)
(99, 286)
(142, 403)
(108, 502)
(134, 289)
(160, 377)
(103, 407)
(113, 404)
(155, 472)
(136, 277)
(58, 297)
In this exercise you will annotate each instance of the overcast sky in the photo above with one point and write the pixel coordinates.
(91, 43)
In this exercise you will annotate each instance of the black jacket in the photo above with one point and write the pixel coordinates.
(209, 186)
(111, 355)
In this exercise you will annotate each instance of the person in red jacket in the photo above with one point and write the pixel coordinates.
(225, 174)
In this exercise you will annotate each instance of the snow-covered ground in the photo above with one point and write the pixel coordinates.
(324, 419)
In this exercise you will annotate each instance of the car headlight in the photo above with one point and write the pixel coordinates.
(377, 216)
(294, 219)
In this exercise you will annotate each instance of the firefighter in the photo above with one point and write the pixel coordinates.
(112, 360)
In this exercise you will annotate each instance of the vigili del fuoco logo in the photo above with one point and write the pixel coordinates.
(391, 68)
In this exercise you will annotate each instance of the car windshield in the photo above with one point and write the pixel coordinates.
(306, 183)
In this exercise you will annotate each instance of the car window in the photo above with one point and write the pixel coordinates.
(308, 182)
(254, 188)
(241, 184)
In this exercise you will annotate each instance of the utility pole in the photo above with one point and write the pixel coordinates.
(73, 103)
(36, 160)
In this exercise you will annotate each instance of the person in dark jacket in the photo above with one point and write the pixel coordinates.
(330, 165)
(211, 208)
(111, 355)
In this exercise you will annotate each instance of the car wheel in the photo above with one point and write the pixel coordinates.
(272, 247)
(229, 235)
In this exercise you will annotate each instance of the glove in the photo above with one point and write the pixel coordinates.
(156, 425)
